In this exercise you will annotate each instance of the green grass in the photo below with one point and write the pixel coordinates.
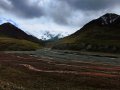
(7, 44)
(92, 38)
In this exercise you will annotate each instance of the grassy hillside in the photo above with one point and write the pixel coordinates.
(93, 37)
(13, 38)
(15, 44)
(11, 31)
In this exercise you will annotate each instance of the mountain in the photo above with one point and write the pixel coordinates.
(9, 30)
(102, 34)
(12, 38)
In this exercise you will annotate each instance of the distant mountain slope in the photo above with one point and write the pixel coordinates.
(102, 34)
(9, 30)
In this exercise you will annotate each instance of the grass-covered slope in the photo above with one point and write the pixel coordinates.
(13, 38)
(98, 35)
(7, 44)
(9, 30)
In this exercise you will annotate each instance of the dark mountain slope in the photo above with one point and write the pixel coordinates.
(102, 34)
(13, 38)
(9, 30)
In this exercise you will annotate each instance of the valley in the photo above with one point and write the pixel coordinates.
(88, 59)
(59, 45)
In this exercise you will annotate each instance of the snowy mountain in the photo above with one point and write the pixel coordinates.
(109, 18)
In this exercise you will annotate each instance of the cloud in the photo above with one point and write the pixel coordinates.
(92, 4)
(66, 11)
(60, 11)
(22, 8)
(59, 15)
(4, 4)
(30, 9)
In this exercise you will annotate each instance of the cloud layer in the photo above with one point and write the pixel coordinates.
(58, 10)
(91, 4)
(22, 8)
(62, 13)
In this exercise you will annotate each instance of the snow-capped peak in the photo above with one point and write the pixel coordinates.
(109, 18)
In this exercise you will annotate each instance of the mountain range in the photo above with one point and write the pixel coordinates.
(101, 34)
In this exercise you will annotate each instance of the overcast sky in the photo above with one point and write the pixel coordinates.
(58, 16)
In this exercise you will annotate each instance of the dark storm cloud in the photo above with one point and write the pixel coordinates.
(58, 10)
(25, 9)
(92, 4)
(87, 8)
(22, 8)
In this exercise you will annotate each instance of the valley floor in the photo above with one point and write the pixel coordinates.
(59, 70)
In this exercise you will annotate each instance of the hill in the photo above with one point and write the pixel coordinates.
(9, 30)
(102, 34)
(13, 38)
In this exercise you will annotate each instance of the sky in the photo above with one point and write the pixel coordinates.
(57, 16)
